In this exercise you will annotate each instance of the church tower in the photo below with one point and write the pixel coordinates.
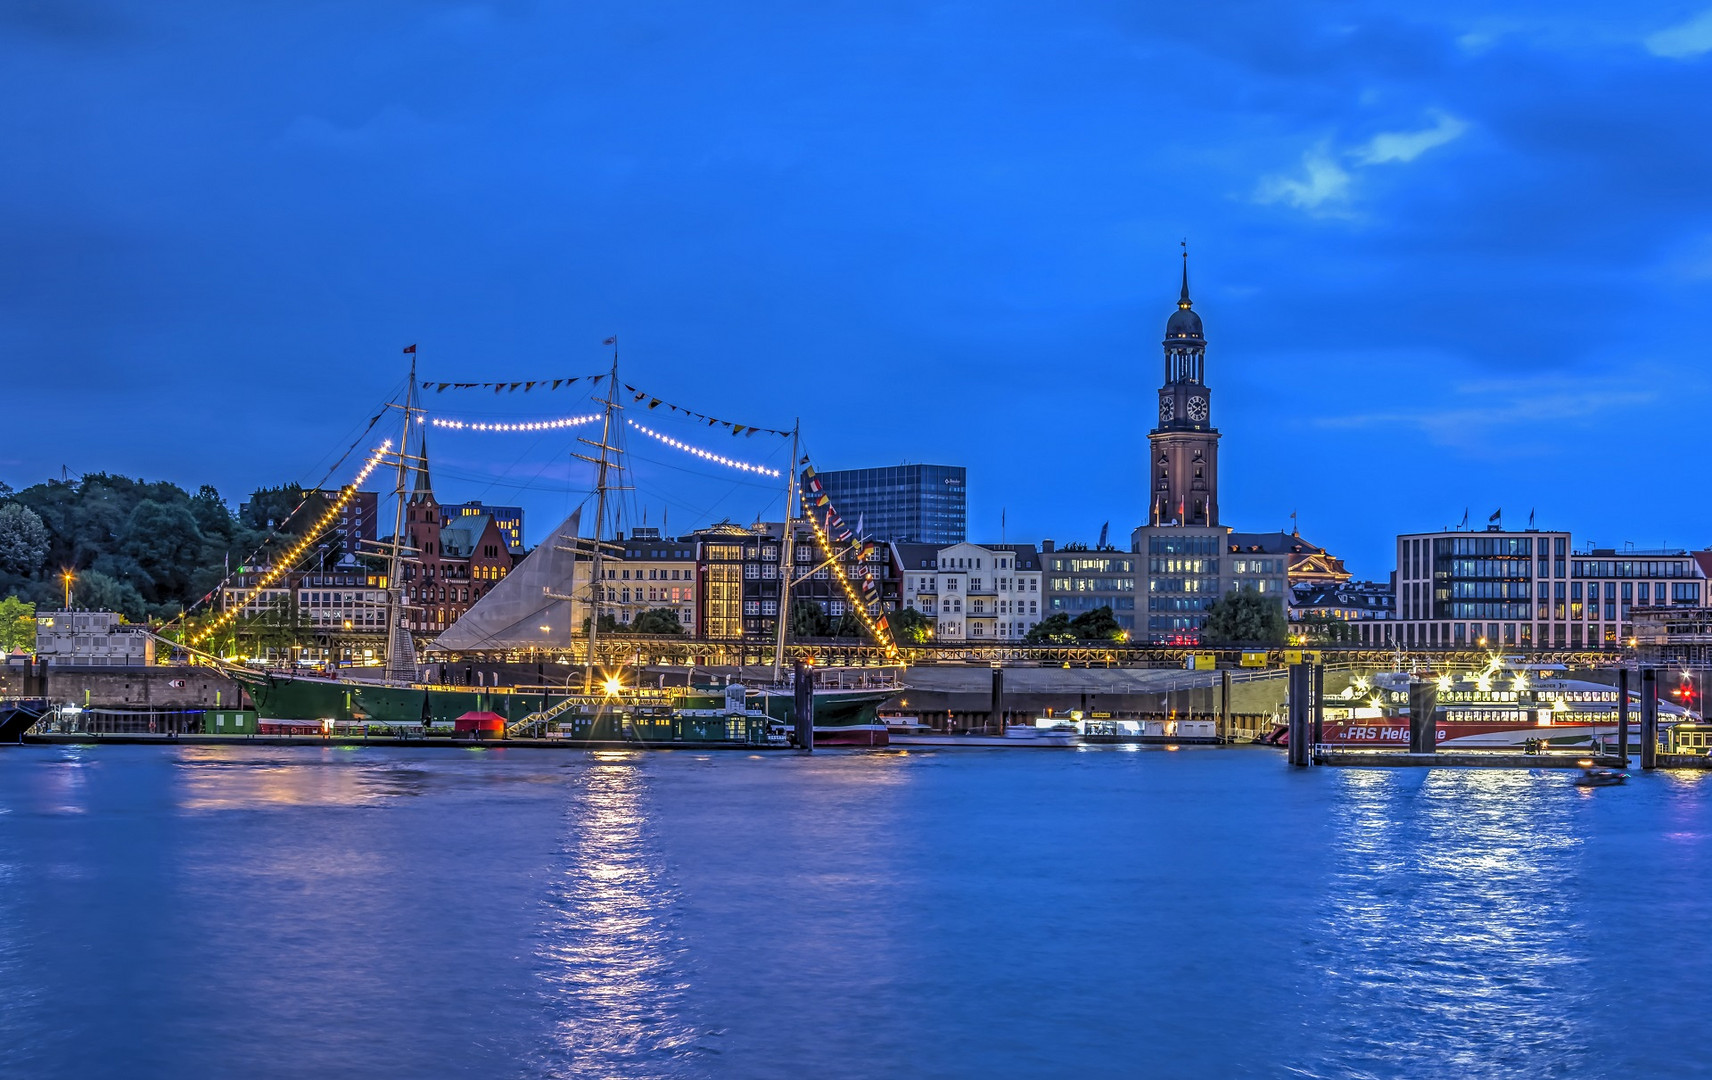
(1184, 448)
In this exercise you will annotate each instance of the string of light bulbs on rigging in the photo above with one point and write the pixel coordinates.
(285, 562)
(880, 632)
(529, 425)
(705, 455)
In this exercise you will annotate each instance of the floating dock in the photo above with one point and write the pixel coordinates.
(1467, 759)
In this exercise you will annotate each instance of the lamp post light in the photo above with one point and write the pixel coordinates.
(67, 577)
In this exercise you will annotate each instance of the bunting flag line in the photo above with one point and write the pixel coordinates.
(746, 430)
(526, 385)
(863, 600)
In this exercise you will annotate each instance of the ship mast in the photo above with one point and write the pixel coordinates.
(788, 557)
(602, 463)
(396, 636)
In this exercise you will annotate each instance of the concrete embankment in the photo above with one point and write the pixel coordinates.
(126, 688)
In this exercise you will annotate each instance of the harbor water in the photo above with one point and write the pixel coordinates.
(308, 912)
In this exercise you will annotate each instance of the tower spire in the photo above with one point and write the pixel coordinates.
(1183, 300)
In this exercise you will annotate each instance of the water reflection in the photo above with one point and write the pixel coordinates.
(223, 779)
(1450, 935)
(613, 962)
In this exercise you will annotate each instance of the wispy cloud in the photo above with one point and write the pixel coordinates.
(1324, 185)
(1321, 181)
(1683, 40)
(1473, 411)
(1405, 146)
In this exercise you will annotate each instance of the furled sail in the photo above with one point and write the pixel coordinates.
(528, 607)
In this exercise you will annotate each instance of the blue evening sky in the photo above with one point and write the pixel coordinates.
(1450, 256)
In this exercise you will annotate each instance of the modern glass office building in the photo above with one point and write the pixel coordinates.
(925, 504)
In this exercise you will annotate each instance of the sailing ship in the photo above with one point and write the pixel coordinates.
(1498, 707)
(534, 609)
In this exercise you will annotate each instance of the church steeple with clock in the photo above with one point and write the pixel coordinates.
(1184, 448)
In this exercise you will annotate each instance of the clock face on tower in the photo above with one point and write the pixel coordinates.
(1167, 408)
(1198, 409)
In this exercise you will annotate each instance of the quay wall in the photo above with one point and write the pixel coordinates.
(122, 688)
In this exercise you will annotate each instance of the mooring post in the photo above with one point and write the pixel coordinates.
(1623, 715)
(1423, 702)
(1224, 706)
(1297, 709)
(998, 706)
(1319, 706)
(804, 706)
(1649, 718)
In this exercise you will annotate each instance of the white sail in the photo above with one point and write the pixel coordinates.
(528, 607)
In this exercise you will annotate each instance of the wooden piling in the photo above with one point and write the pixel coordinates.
(998, 700)
(1623, 715)
(1319, 721)
(1649, 718)
(1423, 703)
(1297, 709)
(804, 703)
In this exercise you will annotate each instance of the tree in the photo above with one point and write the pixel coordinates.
(910, 626)
(164, 540)
(1097, 625)
(1245, 618)
(809, 620)
(657, 621)
(1326, 630)
(23, 540)
(1052, 630)
(608, 624)
(17, 625)
(99, 592)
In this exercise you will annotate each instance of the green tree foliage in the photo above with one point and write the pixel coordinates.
(1052, 630)
(910, 627)
(810, 620)
(17, 625)
(1097, 625)
(148, 540)
(94, 589)
(1245, 618)
(657, 621)
(23, 541)
(1060, 629)
(1326, 630)
(608, 624)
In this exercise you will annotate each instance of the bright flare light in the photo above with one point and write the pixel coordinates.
(705, 455)
(531, 425)
(1444, 683)
(613, 686)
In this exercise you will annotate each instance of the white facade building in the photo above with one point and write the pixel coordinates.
(972, 592)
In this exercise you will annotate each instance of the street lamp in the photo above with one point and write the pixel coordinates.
(68, 577)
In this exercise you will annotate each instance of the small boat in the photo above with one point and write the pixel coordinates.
(1599, 777)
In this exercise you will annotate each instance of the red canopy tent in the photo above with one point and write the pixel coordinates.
(480, 725)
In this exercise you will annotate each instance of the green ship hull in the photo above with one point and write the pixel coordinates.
(346, 701)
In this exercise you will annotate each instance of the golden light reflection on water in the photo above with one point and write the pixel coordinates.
(612, 964)
(220, 778)
(1451, 908)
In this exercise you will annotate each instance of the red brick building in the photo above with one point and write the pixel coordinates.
(456, 559)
